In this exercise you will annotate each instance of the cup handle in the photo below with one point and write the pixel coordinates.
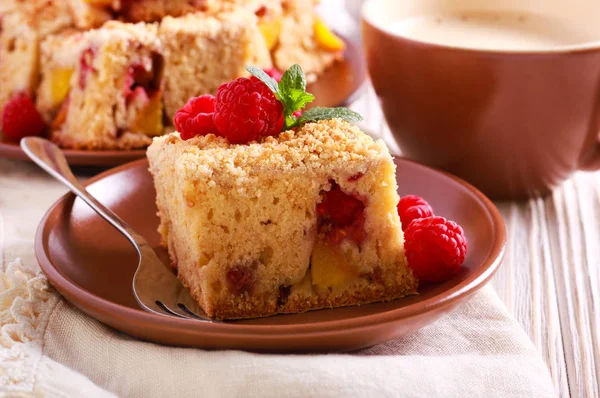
(592, 158)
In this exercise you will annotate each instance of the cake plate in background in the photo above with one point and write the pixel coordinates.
(338, 85)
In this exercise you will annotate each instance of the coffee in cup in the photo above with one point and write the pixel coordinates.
(503, 94)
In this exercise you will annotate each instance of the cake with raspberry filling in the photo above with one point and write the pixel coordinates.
(203, 50)
(114, 95)
(300, 221)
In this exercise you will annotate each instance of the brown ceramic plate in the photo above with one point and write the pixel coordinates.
(92, 266)
(337, 86)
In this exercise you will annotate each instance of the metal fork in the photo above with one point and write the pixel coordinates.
(155, 287)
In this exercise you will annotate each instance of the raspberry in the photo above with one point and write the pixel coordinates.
(412, 207)
(196, 117)
(21, 119)
(247, 110)
(340, 207)
(435, 248)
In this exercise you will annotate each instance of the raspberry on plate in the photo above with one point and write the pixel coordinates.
(247, 110)
(412, 207)
(435, 248)
(196, 117)
(21, 119)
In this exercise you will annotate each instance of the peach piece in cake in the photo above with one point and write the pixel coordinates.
(59, 56)
(204, 50)
(115, 91)
(246, 228)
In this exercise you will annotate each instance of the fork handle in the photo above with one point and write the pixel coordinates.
(50, 158)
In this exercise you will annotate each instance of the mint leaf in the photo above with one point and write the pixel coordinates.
(293, 95)
(266, 79)
(291, 92)
(318, 113)
(293, 79)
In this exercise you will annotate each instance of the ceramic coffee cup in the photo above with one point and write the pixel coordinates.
(505, 94)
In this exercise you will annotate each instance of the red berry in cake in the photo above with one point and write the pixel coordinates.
(85, 65)
(435, 248)
(21, 119)
(196, 117)
(412, 207)
(247, 110)
(340, 207)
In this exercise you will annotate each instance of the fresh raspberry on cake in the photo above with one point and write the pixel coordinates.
(196, 117)
(247, 110)
(435, 248)
(21, 119)
(412, 207)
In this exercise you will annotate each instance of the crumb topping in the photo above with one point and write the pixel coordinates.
(336, 141)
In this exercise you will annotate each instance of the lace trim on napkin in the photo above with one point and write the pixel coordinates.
(26, 303)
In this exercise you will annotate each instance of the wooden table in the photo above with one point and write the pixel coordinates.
(550, 279)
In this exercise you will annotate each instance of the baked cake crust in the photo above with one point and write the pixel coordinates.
(241, 225)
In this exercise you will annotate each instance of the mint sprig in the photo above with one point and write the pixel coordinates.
(318, 113)
(291, 92)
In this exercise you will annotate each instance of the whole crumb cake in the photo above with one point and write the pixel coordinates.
(114, 96)
(245, 228)
(203, 50)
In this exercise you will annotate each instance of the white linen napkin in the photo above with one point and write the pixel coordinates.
(48, 348)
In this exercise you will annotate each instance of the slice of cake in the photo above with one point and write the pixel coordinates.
(304, 39)
(301, 221)
(19, 58)
(203, 50)
(114, 98)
